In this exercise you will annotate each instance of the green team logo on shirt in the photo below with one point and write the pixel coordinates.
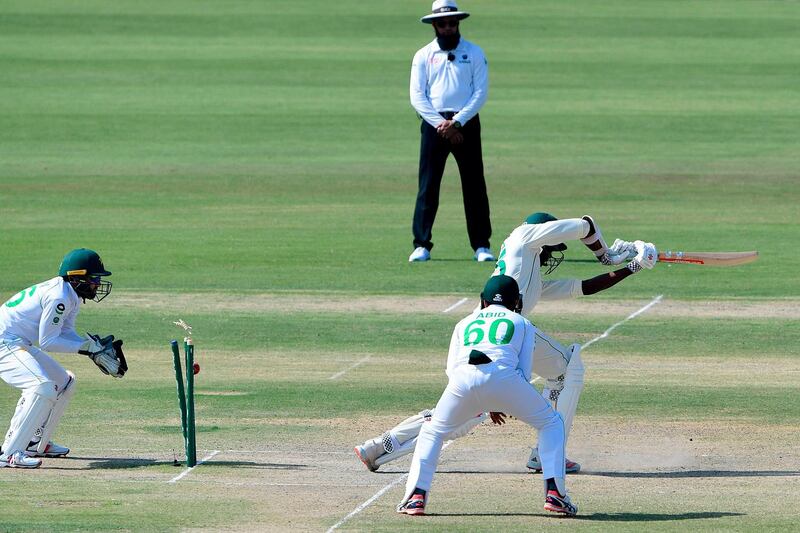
(478, 329)
(501, 264)
(21, 296)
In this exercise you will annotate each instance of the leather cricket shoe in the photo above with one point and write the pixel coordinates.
(483, 254)
(19, 460)
(414, 506)
(536, 465)
(555, 503)
(420, 253)
(52, 450)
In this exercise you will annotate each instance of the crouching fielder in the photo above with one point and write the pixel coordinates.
(532, 251)
(489, 368)
(42, 317)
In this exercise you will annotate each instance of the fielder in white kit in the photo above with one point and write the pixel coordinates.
(44, 315)
(489, 368)
(536, 244)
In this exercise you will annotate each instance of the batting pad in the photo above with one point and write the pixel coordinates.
(32, 409)
(411, 428)
(399, 451)
(567, 403)
(550, 357)
(52, 421)
(405, 430)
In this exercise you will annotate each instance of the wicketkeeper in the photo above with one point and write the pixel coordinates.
(535, 246)
(39, 318)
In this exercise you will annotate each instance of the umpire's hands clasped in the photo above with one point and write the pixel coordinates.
(447, 130)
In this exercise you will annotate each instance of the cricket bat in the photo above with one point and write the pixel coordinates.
(720, 259)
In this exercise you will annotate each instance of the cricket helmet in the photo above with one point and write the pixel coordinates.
(83, 269)
(540, 217)
(502, 290)
(551, 256)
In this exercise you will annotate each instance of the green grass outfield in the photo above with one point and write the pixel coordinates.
(268, 148)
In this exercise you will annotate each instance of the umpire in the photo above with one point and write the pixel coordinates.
(449, 85)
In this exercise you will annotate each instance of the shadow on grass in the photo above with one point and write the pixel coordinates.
(612, 517)
(593, 261)
(679, 474)
(652, 517)
(112, 463)
(697, 473)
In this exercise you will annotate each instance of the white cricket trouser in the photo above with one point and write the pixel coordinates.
(24, 366)
(31, 370)
(488, 387)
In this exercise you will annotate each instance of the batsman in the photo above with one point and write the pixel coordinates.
(531, 251)
(41, 319)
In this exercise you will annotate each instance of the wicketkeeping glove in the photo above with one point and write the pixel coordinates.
(106, 354)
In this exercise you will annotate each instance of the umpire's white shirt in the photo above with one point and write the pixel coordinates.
(439, 85)
(43, 314)
(519, 258)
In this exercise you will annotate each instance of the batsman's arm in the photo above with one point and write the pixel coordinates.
(646, 257)
(616, 254)
(604, 281)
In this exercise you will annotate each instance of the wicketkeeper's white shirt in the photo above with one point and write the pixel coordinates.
(44, 315)
(438, 84)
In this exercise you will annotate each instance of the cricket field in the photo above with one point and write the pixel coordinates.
(250, 167)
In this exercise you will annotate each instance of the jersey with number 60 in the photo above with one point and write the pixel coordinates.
(43, 314)
(519, 258)
(502, 335)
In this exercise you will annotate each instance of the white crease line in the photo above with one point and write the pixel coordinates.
(539, 379)
(346, 370)
(629, 317)
(375, 497)
(461, 301)
(186, 472)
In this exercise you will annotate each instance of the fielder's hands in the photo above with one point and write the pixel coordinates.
(646, 256)
(106, 354)
(498, 418)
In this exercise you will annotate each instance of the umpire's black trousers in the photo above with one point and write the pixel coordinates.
(432, 157)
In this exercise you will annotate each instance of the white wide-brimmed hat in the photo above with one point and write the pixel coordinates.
(444, 8)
